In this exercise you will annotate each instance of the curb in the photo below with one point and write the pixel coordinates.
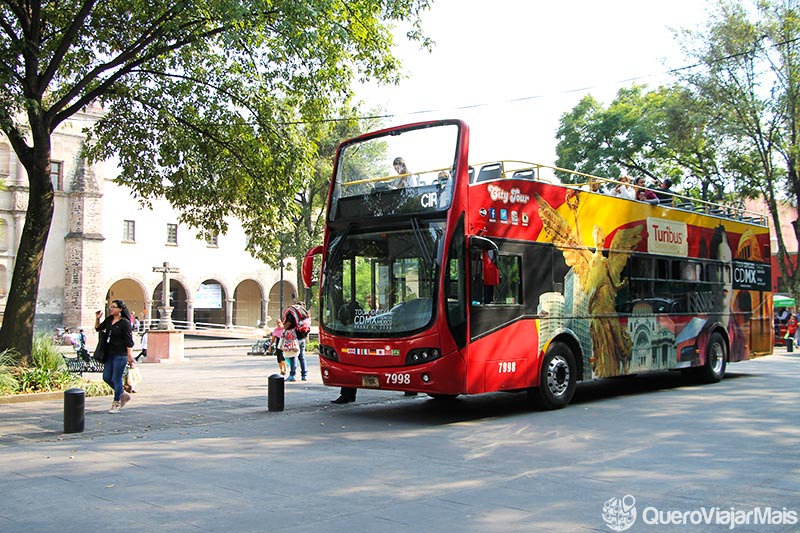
(31, 397)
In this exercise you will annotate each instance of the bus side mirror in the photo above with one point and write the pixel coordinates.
(308, 266)
(491, 274)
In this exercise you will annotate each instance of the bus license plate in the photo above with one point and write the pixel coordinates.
(370, 381)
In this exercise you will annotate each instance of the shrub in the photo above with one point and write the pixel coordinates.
(8, 373)
(48, 372)
(45, 354)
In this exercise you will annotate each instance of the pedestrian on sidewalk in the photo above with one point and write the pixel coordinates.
(791, 332)
(118, 336)
(276, 341)
(297, 318)
(143, 353)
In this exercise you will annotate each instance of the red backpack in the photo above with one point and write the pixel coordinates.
(301, 318)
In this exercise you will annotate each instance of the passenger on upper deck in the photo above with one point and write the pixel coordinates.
(664, 192)
(643, 193)
(594, 185)
(442, 189)
(624, 189)
(405, 178)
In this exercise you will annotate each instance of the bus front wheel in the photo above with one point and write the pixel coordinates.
(557, 378)
(716, 359)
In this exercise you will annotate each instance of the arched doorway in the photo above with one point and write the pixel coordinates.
(247, 304)
(274, 306)
(132, 293)
(209, 304)
(177, 299)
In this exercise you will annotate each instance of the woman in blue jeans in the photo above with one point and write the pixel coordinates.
(119, 350)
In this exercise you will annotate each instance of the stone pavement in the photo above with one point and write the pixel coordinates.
(218, 383)
(197, 450)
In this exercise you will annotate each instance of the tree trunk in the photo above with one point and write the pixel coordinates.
(17, 330)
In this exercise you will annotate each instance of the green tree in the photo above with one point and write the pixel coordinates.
(748, 60)
(202, 101)
(305, 219)
(664, 133)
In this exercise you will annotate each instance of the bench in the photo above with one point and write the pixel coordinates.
(260, 347)
(82, 362)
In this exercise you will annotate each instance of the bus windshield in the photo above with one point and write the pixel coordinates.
(400, 172)
(382, 284)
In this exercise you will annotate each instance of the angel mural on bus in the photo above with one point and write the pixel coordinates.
(599, 278)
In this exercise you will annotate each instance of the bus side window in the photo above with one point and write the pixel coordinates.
(455, 286)
(481, 294)
(496, 278)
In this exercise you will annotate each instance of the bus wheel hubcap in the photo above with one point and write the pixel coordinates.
(716, 356)
(558, 375)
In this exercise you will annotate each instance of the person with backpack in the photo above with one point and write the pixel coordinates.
(297, 318)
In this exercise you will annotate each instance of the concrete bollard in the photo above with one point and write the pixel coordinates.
(275, 388)
(74, 407)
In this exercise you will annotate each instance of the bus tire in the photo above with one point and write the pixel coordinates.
(716, 359)
(557, 378)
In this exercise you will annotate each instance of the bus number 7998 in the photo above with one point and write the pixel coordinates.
(507, 367)
(397, 378)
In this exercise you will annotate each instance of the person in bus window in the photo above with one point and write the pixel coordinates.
(442, 189)
(404, 177)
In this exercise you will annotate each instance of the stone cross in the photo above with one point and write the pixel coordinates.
(165, 321)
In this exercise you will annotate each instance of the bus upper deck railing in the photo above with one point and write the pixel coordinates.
(533, 171)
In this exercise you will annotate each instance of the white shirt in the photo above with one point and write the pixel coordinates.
(624, 191)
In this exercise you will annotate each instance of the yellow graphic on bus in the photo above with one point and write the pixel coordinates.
(599, 278)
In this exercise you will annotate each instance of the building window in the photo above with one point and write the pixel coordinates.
(129, 231)
(213, 241)
(172, 234)
(57, 175)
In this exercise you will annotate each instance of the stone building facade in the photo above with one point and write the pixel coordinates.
(103, 245)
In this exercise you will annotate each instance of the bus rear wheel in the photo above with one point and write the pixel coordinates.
(716, 359)
(557, 378)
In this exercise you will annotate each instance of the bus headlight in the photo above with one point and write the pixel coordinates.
(418, 356)
(328, 353)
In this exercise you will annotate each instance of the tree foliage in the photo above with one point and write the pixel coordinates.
(307, 220)
(749, 68)
(728, 129)
(203, 99)
(661, 133)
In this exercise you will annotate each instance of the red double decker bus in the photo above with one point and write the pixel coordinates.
(443, 277)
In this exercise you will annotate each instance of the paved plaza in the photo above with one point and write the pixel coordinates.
(197, 450)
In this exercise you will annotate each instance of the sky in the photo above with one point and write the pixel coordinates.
(511, 68)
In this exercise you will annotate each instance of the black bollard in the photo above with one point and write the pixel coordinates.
(74, 404)
(275, 388)
(789, 344)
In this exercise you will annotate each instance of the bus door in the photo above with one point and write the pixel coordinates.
(498, 351)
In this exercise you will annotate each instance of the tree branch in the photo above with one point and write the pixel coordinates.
(66, 41)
